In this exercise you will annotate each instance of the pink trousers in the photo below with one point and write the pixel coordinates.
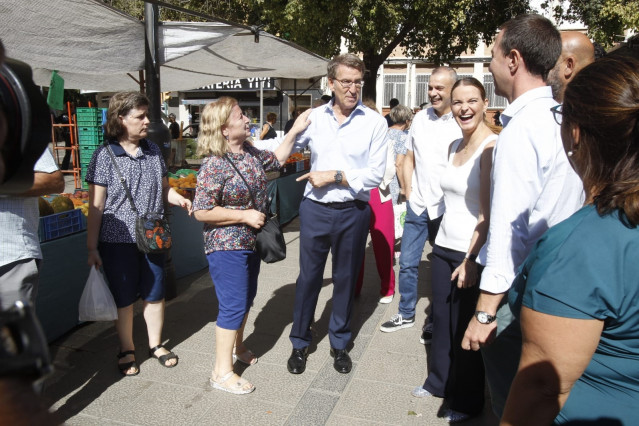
(382, 229)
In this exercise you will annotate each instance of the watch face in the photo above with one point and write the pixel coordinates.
(482, 317)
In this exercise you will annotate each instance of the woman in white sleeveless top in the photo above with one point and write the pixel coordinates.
(455, 374)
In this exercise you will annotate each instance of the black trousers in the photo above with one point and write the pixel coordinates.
(455, 374)
(343, 232)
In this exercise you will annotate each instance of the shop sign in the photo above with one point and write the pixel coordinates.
(242, 84)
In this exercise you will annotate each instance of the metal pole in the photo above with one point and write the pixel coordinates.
(158, 132)
(261, 105)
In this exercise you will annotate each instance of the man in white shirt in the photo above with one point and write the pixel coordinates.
(348, 146)
(20, 253)
(533, 188)
(431, 133)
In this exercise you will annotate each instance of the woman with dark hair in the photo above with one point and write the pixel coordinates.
(577, 294)
(111, 241)
(225, 204)
(268, 132)
(453, 373)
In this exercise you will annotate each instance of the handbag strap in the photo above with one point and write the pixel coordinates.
(122, 179)
(242, 176)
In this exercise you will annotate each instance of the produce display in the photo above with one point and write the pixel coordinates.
(49, 204)
(183, 181)
(62, 214)
(295, 157)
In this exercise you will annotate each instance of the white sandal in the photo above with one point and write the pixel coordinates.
(237, 388)
(247, 357)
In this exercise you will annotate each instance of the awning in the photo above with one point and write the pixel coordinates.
(95, 47)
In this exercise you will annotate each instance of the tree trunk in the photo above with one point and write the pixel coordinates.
(372, 63)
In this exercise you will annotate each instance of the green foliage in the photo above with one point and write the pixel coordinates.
(606, 20)
(439, 30)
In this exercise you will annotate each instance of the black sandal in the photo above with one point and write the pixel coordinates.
(124, 367)
(163, 358)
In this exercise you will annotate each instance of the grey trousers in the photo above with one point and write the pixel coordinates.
(19, 281)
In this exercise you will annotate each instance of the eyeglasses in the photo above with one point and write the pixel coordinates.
(557, 113)
(346, 84)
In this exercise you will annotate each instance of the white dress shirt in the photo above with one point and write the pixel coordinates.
(429, 139)
(19, 220)
(357, 147)
(533, 187)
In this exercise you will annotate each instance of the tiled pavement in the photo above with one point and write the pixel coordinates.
(86, 388)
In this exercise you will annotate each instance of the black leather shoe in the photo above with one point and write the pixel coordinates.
(342, 363)
(297, 362)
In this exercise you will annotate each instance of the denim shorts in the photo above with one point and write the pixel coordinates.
(132, 274)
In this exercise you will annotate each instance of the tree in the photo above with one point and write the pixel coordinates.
(606, 20)
(437, 30)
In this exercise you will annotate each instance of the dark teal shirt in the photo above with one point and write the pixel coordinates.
(587, 267)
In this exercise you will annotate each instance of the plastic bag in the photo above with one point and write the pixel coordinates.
(96, 303)
(399, 211)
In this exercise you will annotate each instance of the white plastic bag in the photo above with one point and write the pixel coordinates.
(96, 303)
(399, 211)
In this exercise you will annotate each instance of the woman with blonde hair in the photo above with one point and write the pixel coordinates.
(231, 222)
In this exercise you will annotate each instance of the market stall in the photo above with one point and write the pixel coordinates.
(64, 268)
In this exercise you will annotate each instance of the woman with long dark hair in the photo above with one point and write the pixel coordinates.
(455, 374)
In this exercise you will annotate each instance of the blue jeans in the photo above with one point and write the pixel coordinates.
(413, 241)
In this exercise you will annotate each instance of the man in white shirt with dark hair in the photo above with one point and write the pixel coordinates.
(533, 188)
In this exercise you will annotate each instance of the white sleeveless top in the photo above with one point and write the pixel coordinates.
(461, 198)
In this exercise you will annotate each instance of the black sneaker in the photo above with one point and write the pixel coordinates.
(397, 322)
(427, 334)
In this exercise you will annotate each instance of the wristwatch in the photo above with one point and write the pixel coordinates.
(338, 177)
(484, 317)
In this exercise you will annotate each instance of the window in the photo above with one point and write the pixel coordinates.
(494, 101)
(422, 89)
(394, 87)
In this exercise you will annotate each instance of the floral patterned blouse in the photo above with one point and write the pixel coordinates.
(218, 185)
(398, 139)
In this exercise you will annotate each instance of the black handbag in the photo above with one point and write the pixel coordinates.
(152, 230)
(270, 244)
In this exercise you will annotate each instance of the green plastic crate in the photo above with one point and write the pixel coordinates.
(94, 140)
(88, 116)
(90, 130)
(85, 156)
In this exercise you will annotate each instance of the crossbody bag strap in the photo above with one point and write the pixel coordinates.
(242, 176)
(122, 180)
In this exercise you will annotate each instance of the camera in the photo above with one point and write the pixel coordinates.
(23, 348)
(25, 125)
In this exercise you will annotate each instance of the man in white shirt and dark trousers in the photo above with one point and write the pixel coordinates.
(533, 188)
(431, 133)
(348, 146)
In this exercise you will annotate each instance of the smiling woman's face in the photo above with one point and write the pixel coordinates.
(468, 107)
(237, 126)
